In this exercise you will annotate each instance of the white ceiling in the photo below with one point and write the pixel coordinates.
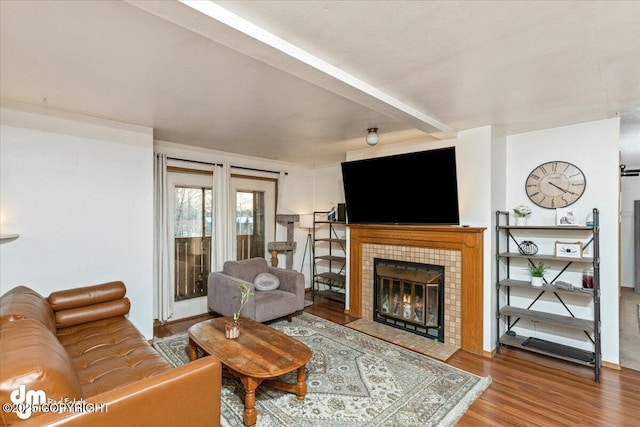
(333, 69)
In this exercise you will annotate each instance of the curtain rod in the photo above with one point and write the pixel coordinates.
(220, 164)
(258, 170)
(195, 161)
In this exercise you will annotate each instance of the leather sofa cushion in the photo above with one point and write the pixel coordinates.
(246, 269)
(24, 303)
(110, 353)
(87, 295)
(31, 355)
(90, 313)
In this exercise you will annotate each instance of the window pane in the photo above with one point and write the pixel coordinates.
(244, 213)
(208, 211)
(188, 212)
(193, 225)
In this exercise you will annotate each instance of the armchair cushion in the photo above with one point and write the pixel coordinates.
(266, 282)
(247, 269)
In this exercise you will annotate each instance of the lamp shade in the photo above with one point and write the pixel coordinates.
(306, 221)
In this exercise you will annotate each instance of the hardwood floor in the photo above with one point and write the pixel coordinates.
(526, 390)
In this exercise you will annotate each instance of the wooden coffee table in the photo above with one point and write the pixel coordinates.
(257, 356)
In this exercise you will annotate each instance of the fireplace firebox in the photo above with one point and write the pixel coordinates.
(409, 296)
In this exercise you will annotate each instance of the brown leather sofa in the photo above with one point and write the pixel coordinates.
(78, 346)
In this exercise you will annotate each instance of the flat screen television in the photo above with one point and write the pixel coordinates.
(412, 188)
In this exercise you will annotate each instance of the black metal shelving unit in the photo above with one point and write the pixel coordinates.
(329, 258)
(511, 315)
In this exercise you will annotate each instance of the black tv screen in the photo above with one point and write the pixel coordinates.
(412, 188)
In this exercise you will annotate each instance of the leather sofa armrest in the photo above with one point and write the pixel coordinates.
(187, 395)
(290, 281)
(223, 295)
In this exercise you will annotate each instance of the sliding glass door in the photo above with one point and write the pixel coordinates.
(192, 210)
(254, 212)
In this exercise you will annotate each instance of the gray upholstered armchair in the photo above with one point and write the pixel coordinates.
(223, 291)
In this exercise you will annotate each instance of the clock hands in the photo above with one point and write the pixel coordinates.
(558, 187)
(562, 189)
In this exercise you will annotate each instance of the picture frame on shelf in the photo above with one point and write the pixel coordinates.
(567, 216)
(568, 249)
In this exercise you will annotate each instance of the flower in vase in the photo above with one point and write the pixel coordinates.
(522, 211)
(245, 293)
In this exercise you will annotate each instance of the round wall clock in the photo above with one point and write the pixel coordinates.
(555, 184)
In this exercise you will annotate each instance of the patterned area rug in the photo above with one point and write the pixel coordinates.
(352, 380)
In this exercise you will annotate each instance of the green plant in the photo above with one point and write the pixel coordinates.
(538, 270)
(245, 293)
(522, 211)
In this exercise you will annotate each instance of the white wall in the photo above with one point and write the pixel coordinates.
(479, 155)
(498, 202)
(79, 192)
(630, 191)
(593, 147)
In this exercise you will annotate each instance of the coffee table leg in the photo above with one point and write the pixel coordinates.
(301, 389)
(193, 350)
(250, 415)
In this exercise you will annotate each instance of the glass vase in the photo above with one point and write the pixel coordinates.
(231, 330)
(521, 220)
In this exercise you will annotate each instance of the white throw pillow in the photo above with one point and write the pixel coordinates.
(266, 282)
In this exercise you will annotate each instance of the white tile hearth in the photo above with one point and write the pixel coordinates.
(409, 340)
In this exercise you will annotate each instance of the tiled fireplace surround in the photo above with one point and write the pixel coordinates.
(458, 249)
(447, 258)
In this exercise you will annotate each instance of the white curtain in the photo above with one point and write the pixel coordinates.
(222, 223)
(163, 307)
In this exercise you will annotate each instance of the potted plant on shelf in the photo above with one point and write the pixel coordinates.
(232, 329)
(537, 273)
(521, 213)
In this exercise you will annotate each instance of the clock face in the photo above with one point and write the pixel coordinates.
(555, 184)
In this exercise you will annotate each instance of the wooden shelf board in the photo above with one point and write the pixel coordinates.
(546, 287)
(518, 341)
(546, 227)
(556, 319)
(328, 239)
(332, 258)
(545, 257)
(339, 279)
(332, 295)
